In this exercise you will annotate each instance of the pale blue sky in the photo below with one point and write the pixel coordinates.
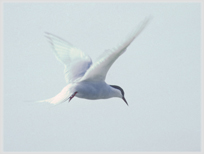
(160, 73)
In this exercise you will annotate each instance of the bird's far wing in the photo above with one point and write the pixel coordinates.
(99, 69)
(75, 61)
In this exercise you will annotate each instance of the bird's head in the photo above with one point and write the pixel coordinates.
(120, 91)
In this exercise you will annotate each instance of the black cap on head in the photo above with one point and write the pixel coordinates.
(122, 92)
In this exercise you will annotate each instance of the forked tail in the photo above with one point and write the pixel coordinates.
(63, 96)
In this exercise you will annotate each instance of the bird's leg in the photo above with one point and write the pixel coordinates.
(70, 98)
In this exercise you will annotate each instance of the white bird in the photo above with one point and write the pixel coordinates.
(86, 79)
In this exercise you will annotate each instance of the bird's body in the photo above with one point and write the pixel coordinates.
(87, 90)
(94, 90)
(84, 78)
(91, 90)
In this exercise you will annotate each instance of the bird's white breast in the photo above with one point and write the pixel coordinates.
(92, 90)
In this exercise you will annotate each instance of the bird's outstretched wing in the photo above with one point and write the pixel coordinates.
(75, 61)
(99, 69)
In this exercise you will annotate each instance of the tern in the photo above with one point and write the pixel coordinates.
(84, 78)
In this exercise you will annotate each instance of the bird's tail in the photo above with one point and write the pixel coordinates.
(46, 100)
(59, 98)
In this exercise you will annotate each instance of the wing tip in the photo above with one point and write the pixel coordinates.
(147, 20)
(53, 37)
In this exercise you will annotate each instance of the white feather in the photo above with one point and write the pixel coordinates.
(75, 61)
(99, 69)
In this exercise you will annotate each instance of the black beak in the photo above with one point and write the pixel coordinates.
(125, 100)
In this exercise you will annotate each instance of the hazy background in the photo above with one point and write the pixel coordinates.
(160, 74)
